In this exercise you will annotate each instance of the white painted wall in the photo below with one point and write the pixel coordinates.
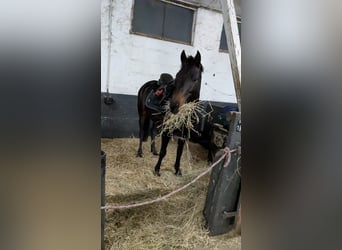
(136, 59)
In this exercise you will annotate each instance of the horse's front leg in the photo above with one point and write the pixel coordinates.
(164, 142)
(153, 143)
(180, 147)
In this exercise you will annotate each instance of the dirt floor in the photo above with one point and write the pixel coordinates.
(176, 223)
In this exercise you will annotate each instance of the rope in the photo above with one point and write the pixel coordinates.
(227, 155)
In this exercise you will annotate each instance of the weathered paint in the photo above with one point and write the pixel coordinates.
(136, 59)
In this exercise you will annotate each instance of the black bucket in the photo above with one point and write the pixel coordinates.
(108, 100)
(103, 202)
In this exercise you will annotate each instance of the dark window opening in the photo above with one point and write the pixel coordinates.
(163, 20)
(223, 42)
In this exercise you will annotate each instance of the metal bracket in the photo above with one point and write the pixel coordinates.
(228, 214)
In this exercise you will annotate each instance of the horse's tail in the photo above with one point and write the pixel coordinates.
(144, 121)
(144, 117)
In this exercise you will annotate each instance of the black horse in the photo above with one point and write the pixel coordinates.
(185, 88)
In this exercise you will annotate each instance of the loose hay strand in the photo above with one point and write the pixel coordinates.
(185, 119)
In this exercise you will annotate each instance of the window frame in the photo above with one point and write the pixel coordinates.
(238, 19)
(180, 4)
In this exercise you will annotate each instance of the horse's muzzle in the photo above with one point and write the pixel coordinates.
(174, 107)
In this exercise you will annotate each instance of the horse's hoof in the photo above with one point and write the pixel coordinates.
(154, 151)
(156, 173)
(178, 173)
(139, 154)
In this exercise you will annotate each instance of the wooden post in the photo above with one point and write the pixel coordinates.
(237, 224)
(234, 47)
(103, 196)
(221, 204)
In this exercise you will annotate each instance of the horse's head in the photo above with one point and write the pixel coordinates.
(187, 82)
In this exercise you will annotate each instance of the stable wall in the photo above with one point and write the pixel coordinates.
(136, 59)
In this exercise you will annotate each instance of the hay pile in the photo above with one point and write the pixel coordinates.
(176, 223)
(187, 116)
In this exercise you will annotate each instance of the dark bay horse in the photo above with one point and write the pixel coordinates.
(185, 88)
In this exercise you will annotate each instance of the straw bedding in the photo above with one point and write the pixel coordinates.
(176, 223)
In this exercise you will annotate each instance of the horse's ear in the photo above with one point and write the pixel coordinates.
(183, 57)
(198, 58)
